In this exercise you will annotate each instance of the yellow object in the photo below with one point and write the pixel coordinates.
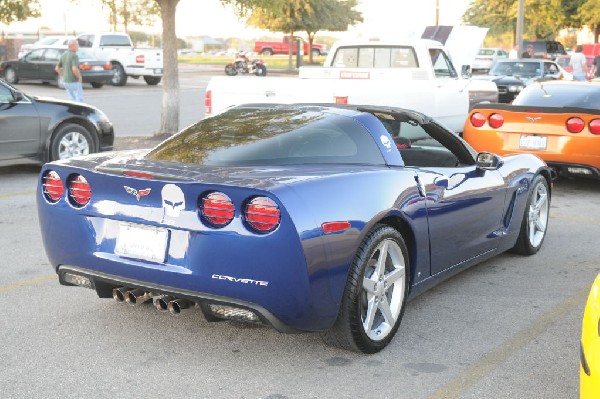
(589, 365)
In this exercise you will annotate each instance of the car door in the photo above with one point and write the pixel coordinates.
(20, 133)
(51, 58)
(29, 66)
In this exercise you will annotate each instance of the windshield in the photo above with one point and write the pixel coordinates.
(560, 95)
(516, 68)
(267, 136)
(485, 51)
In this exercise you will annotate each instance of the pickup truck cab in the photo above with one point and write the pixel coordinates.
(125, 59)
(416, 74)
(283, 47)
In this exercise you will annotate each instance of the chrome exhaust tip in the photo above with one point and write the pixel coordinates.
(177, 305)
(161, 303)
(137, 297)
(119, 294)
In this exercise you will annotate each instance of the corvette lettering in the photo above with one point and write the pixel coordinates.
(240, 280)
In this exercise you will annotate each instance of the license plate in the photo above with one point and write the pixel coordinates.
(158, 71)
(142, 242)
(533, 142)
(97, 68)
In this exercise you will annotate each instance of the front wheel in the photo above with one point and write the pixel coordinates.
(535, 218)
(11, 76)
(267, 52)
(230, 70)
(375, 294)
(261, 70)
(71, 140)
(97, 85)
(119, 77)
(152, 80)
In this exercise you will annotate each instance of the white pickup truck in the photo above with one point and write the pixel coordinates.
(416, 74)
(126, 60)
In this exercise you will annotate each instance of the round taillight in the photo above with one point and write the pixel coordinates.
(575, 124)
(216, 209)
(80, 191)
(53, 187)
(496, 120)
(262, 214)
(477, 119)
(595, 126)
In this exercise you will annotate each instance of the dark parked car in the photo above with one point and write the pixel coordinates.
(39, 65)
(42, 129)
(511, 76)
(545, 48)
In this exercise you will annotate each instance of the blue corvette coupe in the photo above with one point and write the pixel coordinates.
(304, 217)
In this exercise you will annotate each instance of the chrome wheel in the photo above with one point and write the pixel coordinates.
(538, 215)
(73, 144)
(383, 290)
(11, 76)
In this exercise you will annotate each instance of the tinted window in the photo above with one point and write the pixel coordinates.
(52, 54)
(115, 40)
(35, 55)
(86, 40)
(245, 136)
(517, 68)
(375, 57)
(5, 94)
(560, 95)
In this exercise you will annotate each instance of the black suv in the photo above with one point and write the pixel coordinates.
(545, 48)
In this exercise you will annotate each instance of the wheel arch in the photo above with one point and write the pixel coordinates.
(77, 121)
(399, 224)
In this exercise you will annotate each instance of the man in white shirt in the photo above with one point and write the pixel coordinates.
(579, 64)
(514, 53)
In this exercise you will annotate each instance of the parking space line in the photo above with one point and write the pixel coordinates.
(27, 283)
(492, 360)
(17, 194)
(574, 219)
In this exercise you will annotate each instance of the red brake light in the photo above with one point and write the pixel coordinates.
(52, 186)
(262, 214)
(85, 67)
(595, 126)
(80, 191)
(496, 120)
(341, 99)
(217, 209)
(139, 59)
(143, 175)
(477, 119)
(107, 66)
(208, 102)
(575, 124)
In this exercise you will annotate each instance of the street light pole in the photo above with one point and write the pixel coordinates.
(520, 19)
(437, 12)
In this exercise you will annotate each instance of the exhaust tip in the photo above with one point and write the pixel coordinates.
(176, 306)
(119, 294)
(161, 303)
(137, 296)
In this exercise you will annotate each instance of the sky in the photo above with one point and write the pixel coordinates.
(384, 19)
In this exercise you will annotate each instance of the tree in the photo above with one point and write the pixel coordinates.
(131, 12)
(18, 10)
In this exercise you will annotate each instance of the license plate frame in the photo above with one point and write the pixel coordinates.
(533, 142)
(142, 242)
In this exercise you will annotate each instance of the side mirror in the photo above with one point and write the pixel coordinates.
(465, 71)
(488, 161)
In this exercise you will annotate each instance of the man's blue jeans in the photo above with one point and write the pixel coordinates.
(74, 91)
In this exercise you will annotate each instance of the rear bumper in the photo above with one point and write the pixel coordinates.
(575, 170)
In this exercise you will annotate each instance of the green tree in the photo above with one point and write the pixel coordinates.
(18, 10)
(131, 12)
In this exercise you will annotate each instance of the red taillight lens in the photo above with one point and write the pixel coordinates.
(208, 102)
(80, 191)
(217, 209)
(496, 120)
(107, 66)
(477, 119)
(575, 124)
(341, 99)
(262, 214)
(143, 175)
(139, 59)
(52, 186)
(85, 67)
(595, 126)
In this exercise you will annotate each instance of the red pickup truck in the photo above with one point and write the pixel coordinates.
(283, 47)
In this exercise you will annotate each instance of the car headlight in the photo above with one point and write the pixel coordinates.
(99, 116)
(515, 88)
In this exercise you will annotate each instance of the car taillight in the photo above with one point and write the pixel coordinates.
(139, 59)
(341, 99)
(595, 126)
(85, 67)
(216, 209)
(477, 119)
(208, 102)
(107, 66)
(262, 214)
(80, 191)
(52, 186)
(575, 124)
(496, 120)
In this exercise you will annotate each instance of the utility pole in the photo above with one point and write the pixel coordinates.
(520, 23)
(437, 12)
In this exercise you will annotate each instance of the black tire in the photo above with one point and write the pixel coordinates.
(10, 75)
(152, 80)
(349, 331)
(535, 218)
(230, 70)
(315, 52)
(261, 70)
(267, 52)
(71, 140)
(97, 85)
(119, 77)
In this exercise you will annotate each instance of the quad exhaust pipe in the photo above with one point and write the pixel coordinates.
(162, 303)
(137, 297)
(176, 306)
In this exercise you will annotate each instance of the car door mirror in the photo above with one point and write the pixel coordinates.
(465, 71)
(488, 161)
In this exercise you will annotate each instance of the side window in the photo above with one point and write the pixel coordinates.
(86, 41)
(550, 68)
(52, 54)
(442, 65)
(35, 55)
(6, 95)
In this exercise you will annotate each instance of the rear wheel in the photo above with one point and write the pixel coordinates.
(71, 140)
(267, 51)
(261, 70)
(230, 70)
(375, 294)
(97, 85)
(152, 80)
(119, 77)
(11, 76)
(535, 219)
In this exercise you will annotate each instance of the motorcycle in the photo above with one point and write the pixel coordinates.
(243, 65)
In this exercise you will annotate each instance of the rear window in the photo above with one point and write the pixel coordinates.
(517, 68)
(263, 136)
(375, 57)
(484, 51)
(560, 95)
(115, 40)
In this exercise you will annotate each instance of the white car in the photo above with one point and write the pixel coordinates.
(48, 41)
(486, 58)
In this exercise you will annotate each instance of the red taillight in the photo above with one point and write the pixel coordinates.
(143, 175)
(85, 67)
(80, 191)
(262, 214)
(139, 59)
(341, 99)
(595, 126)
(217, 209)
(107, 66)
(496, 120)
(208, 102)
(575, 124)
(477, 119)
(52, 186)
